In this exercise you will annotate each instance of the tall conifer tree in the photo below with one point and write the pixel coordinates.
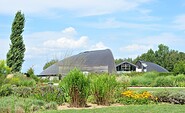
(15, 56)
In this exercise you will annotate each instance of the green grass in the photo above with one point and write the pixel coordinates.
(155, 89)
(162, 108)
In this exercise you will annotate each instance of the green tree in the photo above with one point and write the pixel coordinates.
(161, 54)
(4, 69)
(50, 63)
(15, 56)
(179, 67)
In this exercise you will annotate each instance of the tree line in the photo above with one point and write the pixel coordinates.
(172, 60)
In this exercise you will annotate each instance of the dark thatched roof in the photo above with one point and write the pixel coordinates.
(153, 67)
(90, 61)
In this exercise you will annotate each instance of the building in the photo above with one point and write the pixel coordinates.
(90, 61)
(140, 66)
(143, 66)
(125, 67)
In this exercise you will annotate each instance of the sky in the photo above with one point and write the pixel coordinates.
(55, 29)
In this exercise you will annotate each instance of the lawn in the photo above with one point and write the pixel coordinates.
(154, 89)
(160, 108)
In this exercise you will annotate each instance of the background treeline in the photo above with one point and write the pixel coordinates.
(172, 60)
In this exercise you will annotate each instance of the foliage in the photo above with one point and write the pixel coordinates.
(103, 88)
(177, 97)
(22, 91)
(163, 56)
(117, 61)
(20, 80)
(30, 73)
(4, 69)
(49, 93)
(50, 63)
(15, 56)
(179, 67)
(132, 97)
(77, 86)
(6, 90)
(146, 79)
(163, 81)
(13, 104)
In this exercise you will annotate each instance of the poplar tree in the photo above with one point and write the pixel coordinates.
(15, 56)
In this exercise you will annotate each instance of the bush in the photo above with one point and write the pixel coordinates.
(77, 86)
(132, 97)
(177, 97)
(6, 90)
(13, 104)
(103, 88)
(4, 69)
(180, 80)
(163, 81)
(171, 97)
(49, 93)
(22, 91)
(20, 80)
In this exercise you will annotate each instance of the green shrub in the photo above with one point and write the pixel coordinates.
(177, 97)
(22, 91)
(6, 90)
(20, 80)
(51, 105)
(77, 86)
(171, 97)
(4, 69)
(164, 81)
(180, 80)
(103, 88)
(141, 81)
(162, 96)
(13, 104)
(49, 93)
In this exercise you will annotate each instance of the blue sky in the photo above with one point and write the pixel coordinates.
(59, 28)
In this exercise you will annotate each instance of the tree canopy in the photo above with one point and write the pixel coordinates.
(15, 56)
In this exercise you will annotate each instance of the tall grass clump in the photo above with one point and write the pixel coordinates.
(77, 86)
(103, 87)
(163, 81)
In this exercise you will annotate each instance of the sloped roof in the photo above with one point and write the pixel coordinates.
(154, 67)
(86, 61)
(125, 62)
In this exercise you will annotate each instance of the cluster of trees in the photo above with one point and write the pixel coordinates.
(172, 60)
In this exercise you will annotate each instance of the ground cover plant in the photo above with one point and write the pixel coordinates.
(13, 104)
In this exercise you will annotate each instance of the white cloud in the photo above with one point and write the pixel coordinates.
(179, 22)
(82, 7)
(98, 46)
(66, 42)
(113, 23)
(135, 48)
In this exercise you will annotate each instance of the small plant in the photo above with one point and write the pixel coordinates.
(103, 88)
(132, 97)
(49, 93)
(6, 90)
(77, 87)
(164, 81)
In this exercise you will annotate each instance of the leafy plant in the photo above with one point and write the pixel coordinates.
(6, 90)
(77, 86)
(49, 93)
(103, 88)
(132, 97)
(4, 69)
(163, 81)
